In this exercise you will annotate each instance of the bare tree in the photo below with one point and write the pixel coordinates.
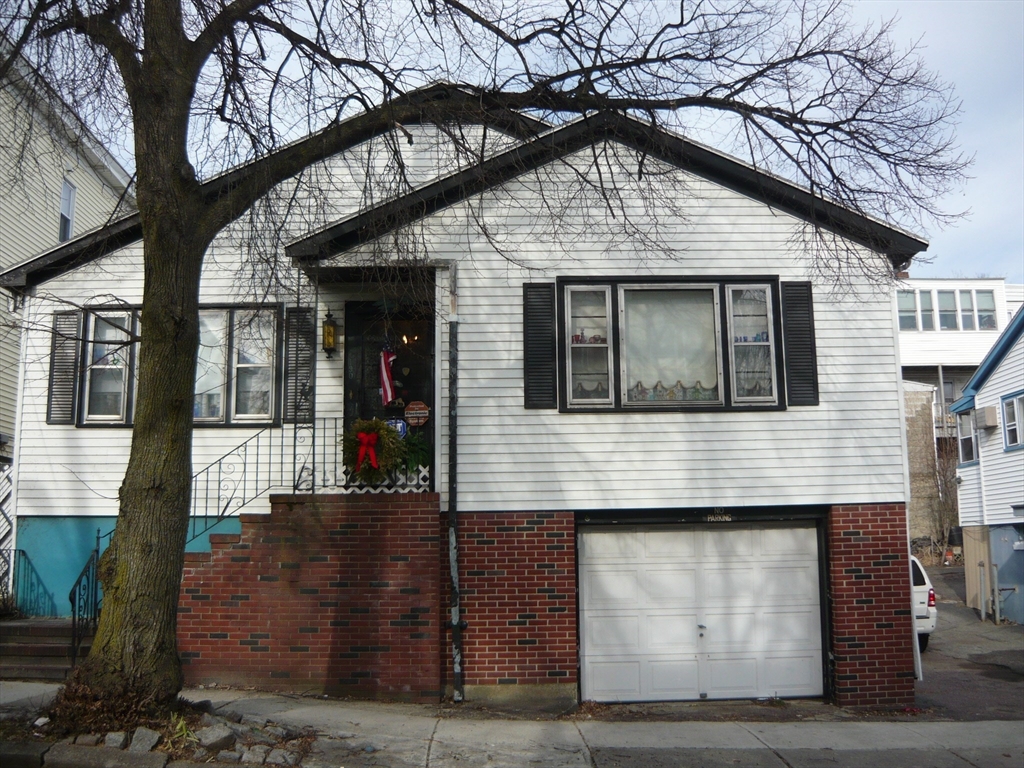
(201, 86)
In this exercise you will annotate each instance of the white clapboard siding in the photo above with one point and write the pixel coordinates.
(29, 219)
(1002, 470)
(847, 450)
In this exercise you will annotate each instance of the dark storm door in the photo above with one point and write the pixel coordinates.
(369, 329)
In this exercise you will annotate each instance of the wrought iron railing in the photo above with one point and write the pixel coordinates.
(85, 600)
(25, 591)
(294, 458)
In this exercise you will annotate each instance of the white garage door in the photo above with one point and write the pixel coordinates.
(690, 612)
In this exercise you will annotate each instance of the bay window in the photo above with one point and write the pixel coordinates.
(670, 345)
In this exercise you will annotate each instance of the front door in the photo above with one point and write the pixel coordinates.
(371, 328)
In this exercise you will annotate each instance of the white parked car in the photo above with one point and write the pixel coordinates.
(925, 612)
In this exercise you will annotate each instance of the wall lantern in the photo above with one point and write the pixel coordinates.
(330, 334)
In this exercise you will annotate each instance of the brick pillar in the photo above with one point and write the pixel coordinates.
(872, 614)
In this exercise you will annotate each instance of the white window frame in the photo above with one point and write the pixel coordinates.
(966, 418)
(229, 389)
(235, 365)
(576, 340)
(734, 342)
(125, 363)
(913, 296)
(624, 385)
(68, 193)
(1013, 422)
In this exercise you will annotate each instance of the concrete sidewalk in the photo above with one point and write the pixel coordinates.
(354, 734)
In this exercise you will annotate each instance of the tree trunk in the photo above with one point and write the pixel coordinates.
(135, 649)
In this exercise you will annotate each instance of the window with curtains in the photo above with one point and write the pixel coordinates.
(670, 345)
(245, 371)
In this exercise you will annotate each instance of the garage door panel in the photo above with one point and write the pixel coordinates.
(671, 544)
(728, 542)
(792, 629)
(616, 633)
(675, 585)
(795, 584)
(612, 587)
(614, 680)
(730, 586)
(735, 631)
(793, 675)
(612, 545)
(731, 676)
(789, 541)
(674, 679)
(672, 633)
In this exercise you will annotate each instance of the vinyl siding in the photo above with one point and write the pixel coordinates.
(1002, 471)
(29, 218)
(849, 449)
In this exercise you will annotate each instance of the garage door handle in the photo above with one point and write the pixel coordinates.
(701, 626)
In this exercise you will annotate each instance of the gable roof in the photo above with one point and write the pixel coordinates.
(1007, 339)
(539, 145)
(898, 245)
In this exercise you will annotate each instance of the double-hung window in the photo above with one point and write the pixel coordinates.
(968, 437)
(670, 345)
(1013, 421)
(245, 372)
(235, 365)
(109, 364)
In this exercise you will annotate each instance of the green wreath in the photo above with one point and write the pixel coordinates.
(371, 450)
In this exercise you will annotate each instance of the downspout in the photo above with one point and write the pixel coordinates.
(456, 623)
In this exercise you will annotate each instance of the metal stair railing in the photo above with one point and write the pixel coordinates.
(85, 602)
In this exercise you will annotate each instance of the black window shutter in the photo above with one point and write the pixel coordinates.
(540, 379)
(299, 365)
(64, 356)
(798, 341)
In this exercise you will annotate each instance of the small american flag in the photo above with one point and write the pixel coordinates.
(387, 385)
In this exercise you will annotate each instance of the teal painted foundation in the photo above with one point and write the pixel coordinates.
(57, 548)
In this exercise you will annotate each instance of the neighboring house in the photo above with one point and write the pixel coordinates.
(56, 182)
(990, 439)
(946, 328)
(671, 474)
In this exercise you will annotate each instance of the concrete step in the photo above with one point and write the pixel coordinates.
(37, 649)
(54, 650)
(33, 670)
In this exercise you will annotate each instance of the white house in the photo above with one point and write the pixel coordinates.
(57, 182)
(673, 461)
(990, 439)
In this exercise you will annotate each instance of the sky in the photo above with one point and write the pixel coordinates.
(978, 45)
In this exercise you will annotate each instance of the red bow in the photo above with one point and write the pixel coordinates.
(367, 441)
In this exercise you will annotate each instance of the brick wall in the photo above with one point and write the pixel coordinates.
(519, 597)
(338, 594)
(869, 579)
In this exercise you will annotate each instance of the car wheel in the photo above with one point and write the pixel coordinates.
(922, 641)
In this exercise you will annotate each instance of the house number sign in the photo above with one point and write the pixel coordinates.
(417, 413)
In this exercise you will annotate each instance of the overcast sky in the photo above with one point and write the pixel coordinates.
(978, 45)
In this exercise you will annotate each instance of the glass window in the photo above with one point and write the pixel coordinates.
(906, 303)
(1013, 420)
(589, 347)
(67, 211)
(966, 311)
(965, 430)
(670, 344)
(211, 366)
(254, 363)
(927, 311)
(750, 325)
(107, 375)
(947, 311)
(986, 310)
